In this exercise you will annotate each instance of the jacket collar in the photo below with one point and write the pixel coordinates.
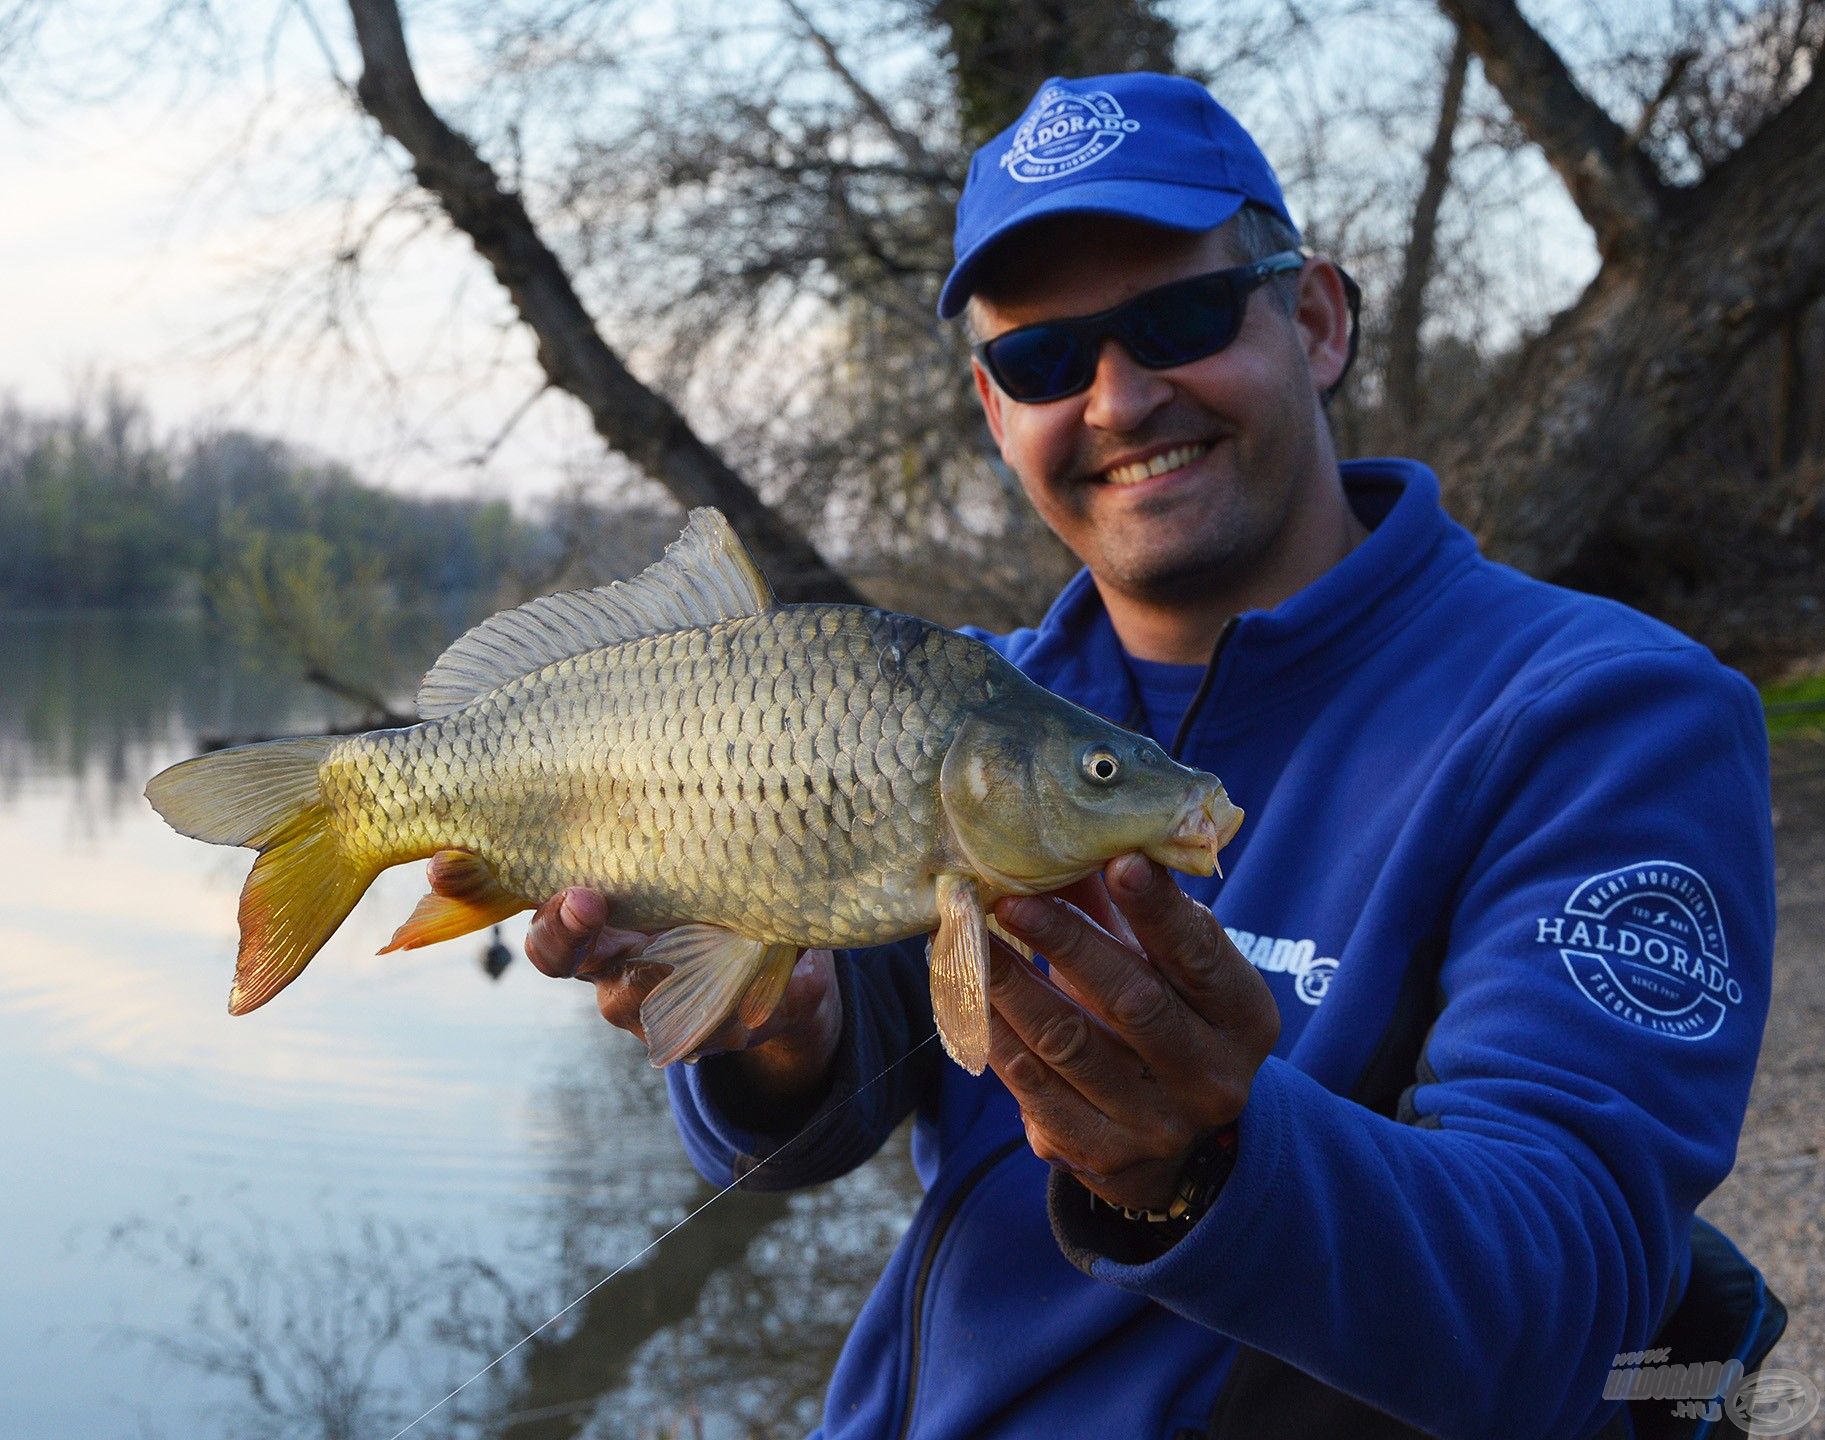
(1412, 547)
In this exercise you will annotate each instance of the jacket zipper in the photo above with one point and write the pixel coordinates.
(1198, 696)
(970, 1181)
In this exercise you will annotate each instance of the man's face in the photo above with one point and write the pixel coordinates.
(1239, 430)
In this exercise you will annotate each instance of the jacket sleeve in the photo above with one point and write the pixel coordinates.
(877, 1078)
(1606, 978)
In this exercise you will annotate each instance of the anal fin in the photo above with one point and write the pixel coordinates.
(475, 899)
(959, 957)
(714, 972)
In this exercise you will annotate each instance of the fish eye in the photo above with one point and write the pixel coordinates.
(1099, 765)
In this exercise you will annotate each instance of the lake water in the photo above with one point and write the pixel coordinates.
(316, 1220)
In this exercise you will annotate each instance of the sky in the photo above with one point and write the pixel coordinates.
(171, 227)
(148, 232)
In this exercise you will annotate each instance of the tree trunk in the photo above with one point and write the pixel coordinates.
(632, 419)
(1408, 312)
(1623, 383)
(1610, 180)
(1004, 49)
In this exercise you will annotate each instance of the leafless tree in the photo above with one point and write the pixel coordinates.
(725, 232)
(1713, 243)
(1407, 313)
(341, 1336)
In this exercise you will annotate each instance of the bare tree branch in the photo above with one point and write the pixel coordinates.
(1004, 48)
(508, 426)
(1408, 311)
(1798, 128)
(1618, 388)
(908, 143)
(1681, 62)
(632, 419)
(1612, 183)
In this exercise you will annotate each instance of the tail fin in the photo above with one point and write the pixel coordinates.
(303, 886)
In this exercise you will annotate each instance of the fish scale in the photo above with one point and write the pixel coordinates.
(681, 782)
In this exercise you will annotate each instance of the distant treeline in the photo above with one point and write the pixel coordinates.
(96, 511)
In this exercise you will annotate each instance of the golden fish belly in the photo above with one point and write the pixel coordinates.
(777, 775)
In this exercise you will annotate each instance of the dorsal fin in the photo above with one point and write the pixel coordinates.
(706, 575)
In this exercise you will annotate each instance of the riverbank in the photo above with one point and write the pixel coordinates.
(1773, 1204)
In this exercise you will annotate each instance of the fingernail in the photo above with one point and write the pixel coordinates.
(1131, 873)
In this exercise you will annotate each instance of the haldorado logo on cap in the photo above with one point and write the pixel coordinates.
(1063, 132)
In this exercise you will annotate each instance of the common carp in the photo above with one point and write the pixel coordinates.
(745, 777)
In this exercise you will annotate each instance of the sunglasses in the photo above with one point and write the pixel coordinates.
(1170, 325)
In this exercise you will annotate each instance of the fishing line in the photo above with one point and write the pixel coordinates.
(662, 1236)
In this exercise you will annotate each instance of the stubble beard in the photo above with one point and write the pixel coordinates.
(1181, 554)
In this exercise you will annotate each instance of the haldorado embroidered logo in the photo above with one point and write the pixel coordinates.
(1311, 972)
(1064, 132)
(1645, 942)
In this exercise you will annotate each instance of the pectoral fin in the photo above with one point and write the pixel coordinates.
(959, 958)
(768, 987)
(474, 899)
(715, 974)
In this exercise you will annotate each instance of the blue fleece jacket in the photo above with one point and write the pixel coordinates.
(1541, 818)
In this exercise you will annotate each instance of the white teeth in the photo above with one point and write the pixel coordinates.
(1158, 465)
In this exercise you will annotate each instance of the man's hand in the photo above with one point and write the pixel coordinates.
(1144, 1039)
(781, 1065)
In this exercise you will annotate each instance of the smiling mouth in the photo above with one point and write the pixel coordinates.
(1172, 459)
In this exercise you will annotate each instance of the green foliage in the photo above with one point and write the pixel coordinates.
(94, 511)
(1795, 707)
(295, 594)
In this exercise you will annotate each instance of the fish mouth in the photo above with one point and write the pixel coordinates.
(1206, 824)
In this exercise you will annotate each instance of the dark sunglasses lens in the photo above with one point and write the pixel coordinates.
(1181, 323)
(1042, 362)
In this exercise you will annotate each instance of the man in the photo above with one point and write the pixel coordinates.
(1414, 1146)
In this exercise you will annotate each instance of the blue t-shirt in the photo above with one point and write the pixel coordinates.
(1165, 692)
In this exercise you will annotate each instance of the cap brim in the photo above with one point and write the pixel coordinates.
(1173, 207)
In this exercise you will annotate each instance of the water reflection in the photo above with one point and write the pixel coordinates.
(728, 1327)
(92, 701)
(332, 1337)
(319, 1218)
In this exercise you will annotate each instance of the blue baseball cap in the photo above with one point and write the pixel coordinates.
(1154, 148)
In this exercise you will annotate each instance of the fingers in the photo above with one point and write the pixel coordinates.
(1124, 1161)
(1091, 895)
(553, 946)
(1128, 1110)
(1125, 1053)
(442, 873)
(570, 935)
(619, 995)
(809, 1005)
(1059, 1032)
(1105, 975)
(806, 1020)
(1062, 1127)
(1191, 950)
